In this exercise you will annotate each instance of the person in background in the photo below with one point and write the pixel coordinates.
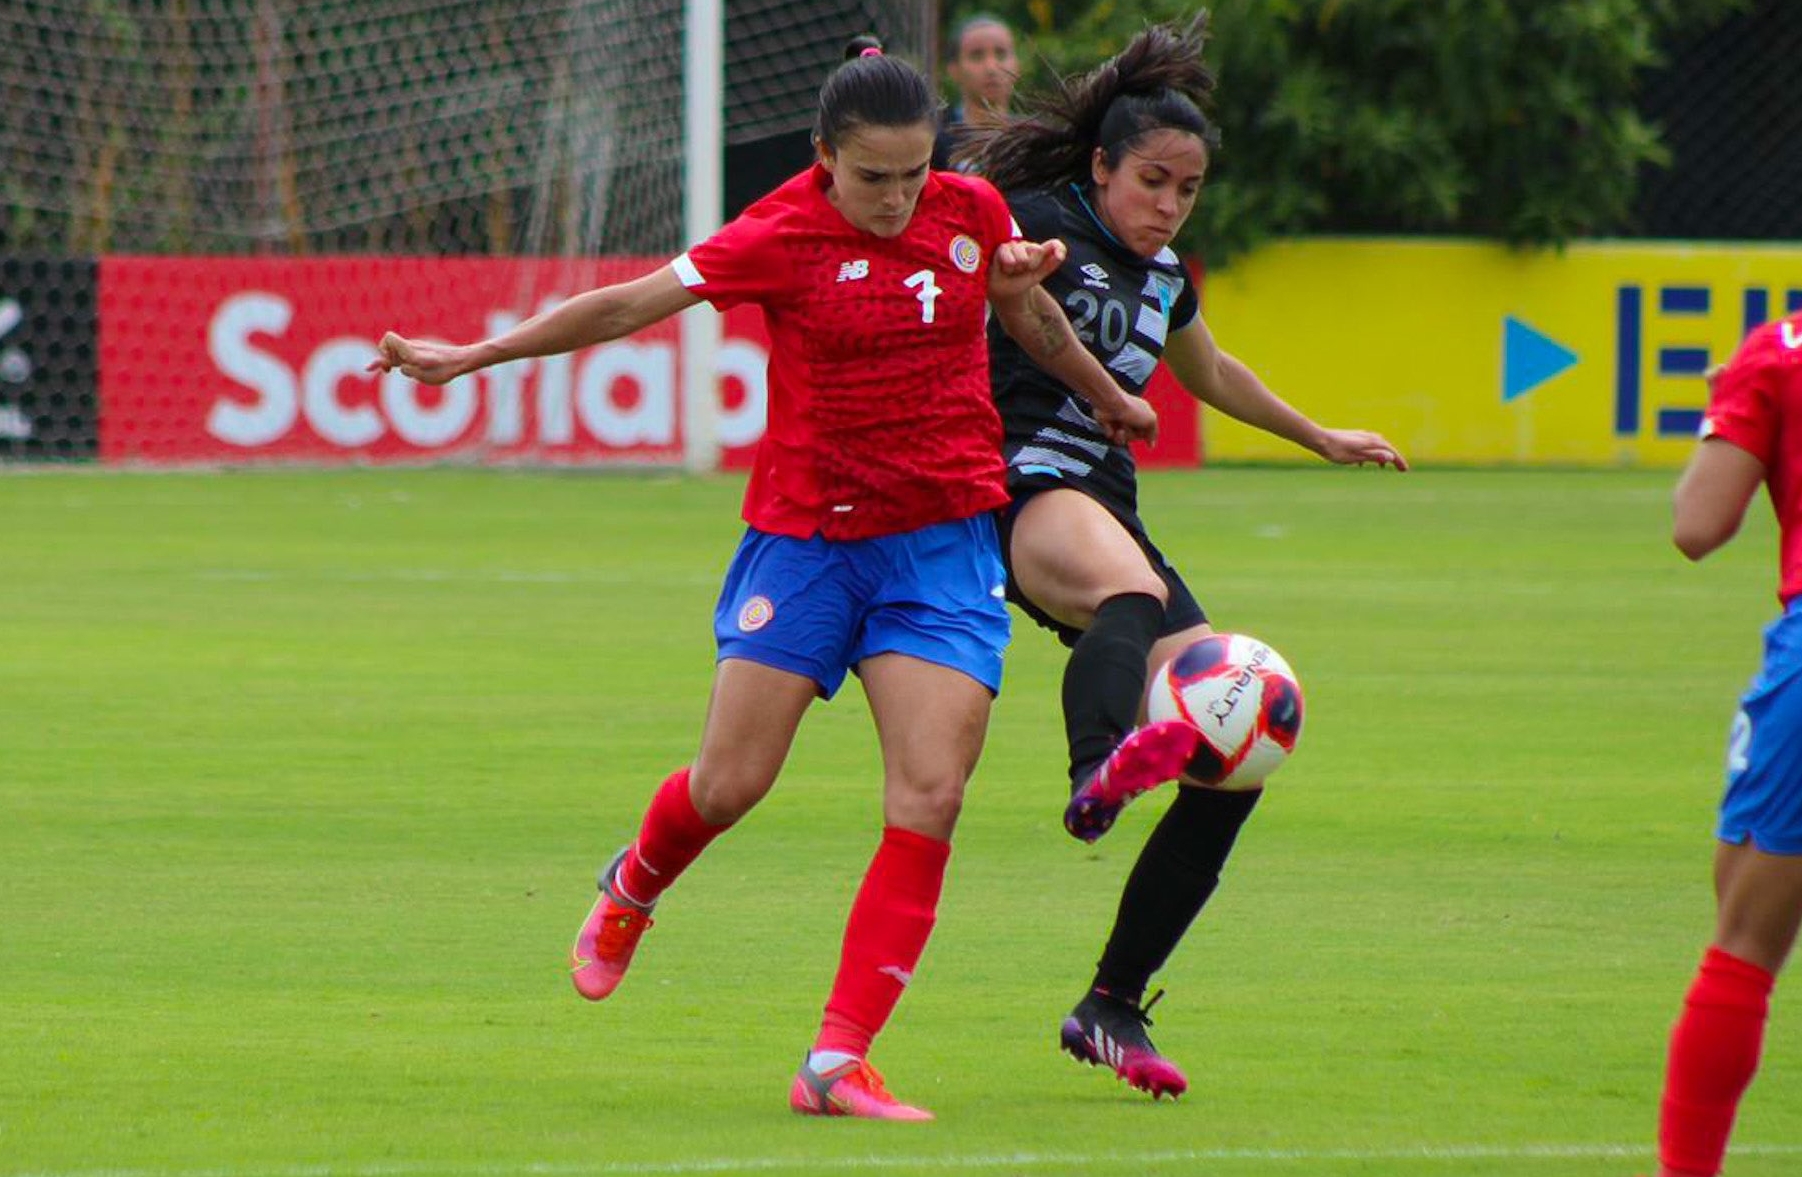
(980, 60)
(1112, 163)
(1751, 437)
(871, 544)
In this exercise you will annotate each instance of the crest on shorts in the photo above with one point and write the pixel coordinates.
(966, 255)
(755, 614)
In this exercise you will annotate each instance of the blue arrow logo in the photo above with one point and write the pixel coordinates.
(1529, 358)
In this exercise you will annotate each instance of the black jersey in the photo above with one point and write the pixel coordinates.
(951, 134)
(1123, 307)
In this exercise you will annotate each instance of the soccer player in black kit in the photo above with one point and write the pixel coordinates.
(1111, 163)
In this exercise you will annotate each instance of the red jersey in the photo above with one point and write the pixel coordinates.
(1757, 405)
(880, 418)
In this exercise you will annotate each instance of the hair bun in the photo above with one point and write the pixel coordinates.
(864, 45)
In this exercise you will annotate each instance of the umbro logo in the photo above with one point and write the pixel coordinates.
(854, 271)
(1094, 275)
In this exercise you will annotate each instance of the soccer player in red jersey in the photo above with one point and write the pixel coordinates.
(1751, 435)
(871, 543)
(1111, 164)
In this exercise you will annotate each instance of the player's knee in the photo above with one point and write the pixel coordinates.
(724, 794)
(1148, 585)
(927, 806)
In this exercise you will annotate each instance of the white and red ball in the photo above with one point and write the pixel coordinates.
(1241, 696)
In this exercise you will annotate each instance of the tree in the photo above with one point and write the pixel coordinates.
(1509, 119)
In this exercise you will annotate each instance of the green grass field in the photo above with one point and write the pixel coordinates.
(306, 776)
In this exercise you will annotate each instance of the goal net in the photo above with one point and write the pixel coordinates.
(210, 205)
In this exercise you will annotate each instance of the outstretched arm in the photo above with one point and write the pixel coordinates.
(1034, 321)
(1223, 382)
(587, 319)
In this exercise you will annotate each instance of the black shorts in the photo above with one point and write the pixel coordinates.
(1181, 612)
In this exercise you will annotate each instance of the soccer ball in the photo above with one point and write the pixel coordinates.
(1244, 700)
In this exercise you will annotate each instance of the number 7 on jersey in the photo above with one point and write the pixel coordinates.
(927, 294)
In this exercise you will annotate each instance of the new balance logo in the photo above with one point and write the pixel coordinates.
(853, 271)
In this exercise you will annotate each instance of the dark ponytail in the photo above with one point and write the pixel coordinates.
(870, 88)
(1158, 82)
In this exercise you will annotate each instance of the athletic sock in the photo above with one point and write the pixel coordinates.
(890, 921)
(671, 837)
(821, 1061)
(1171, 882)
(1714, 1053)
(1104, 679)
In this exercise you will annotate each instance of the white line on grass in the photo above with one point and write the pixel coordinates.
(954, 1161)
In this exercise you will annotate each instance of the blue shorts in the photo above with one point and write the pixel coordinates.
(818, 607)
(1764, 750)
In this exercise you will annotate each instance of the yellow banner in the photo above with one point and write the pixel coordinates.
(1465, 352)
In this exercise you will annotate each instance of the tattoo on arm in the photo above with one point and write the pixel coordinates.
(1052, 332)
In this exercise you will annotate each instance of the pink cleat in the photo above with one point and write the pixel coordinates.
(1145, 759)
(608, 938)
(853, 1088)
(1104, 1031)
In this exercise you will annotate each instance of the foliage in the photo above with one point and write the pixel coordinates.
(1510, 119)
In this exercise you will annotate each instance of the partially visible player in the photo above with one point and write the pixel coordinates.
(1112, 163)
(1751, 436)
(981, 63)
(871, 543)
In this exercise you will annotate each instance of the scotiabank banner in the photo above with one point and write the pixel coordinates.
(240, 360)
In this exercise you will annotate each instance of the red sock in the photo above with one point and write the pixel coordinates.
(890, 922)
(1714, 1052)
(671, 837)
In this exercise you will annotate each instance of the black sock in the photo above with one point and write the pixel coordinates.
(1105, 678)
(1170, 884)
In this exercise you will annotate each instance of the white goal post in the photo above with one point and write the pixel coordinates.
(704, 87)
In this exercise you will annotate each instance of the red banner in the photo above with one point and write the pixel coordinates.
(240, 360)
